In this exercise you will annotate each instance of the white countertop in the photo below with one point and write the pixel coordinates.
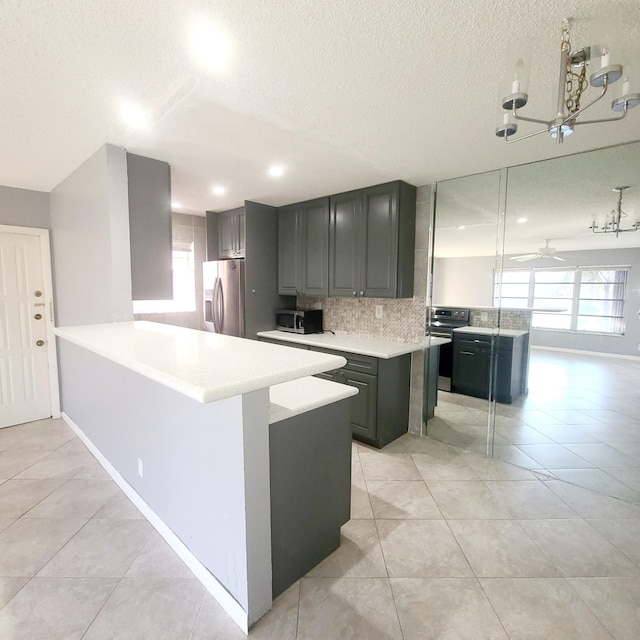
(435, 341)
(305, 394)
(204, 366)
(351, 344)
(509, 333)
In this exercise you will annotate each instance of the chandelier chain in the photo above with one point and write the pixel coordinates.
(576, 85)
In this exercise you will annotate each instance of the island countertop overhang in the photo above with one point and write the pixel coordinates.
(203, 366)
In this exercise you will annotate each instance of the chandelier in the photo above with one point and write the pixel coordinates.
(612, 225)
(572, 83)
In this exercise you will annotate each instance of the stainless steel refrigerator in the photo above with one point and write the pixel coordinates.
(224, 290)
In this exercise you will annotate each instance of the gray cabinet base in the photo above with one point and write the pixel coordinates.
(310, 470)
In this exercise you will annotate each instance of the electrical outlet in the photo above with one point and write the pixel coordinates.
(379, 311)
(484, 316)
(140, 468)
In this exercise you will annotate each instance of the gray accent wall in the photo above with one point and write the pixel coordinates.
(24, 208)
(205, 466)
(90, 236)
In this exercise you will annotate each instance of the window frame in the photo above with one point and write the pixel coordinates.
(576, 297)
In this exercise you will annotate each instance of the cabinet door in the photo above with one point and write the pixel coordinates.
(227, 235)
(288, 251)
(471, 366)
(314, 243)
(344, 247)
(363, 405)
(380, 240)
(240, 235)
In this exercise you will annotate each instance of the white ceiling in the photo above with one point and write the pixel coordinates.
(345, 94)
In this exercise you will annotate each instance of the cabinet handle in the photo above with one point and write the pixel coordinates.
(355, 293)
(467, 353)
(362, 293)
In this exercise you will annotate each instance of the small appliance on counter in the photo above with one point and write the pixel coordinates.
(295, 321)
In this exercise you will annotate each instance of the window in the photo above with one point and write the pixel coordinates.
(589, 299)
(184, 284)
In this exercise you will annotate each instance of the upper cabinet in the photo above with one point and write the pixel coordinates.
(231, 234)
(303, 248)
(150, 228)
(226, 234)
(372, 241)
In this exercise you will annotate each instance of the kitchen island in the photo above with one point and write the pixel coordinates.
(181, 420)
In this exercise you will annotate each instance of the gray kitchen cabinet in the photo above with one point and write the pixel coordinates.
(231, 234)
(473, 373)
(380, 410)
(303, 248)
(149, 190)
(372, 241)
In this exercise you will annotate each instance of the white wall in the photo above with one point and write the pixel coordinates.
(90, 234)
(467, 282)
(463, 282)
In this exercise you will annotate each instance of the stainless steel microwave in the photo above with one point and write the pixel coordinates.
(299, 321)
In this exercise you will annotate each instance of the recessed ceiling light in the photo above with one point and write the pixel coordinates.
(522, 220)
(276, 171)
(134, 115)
(219, 191)
(176, 205)
(461, 227)
(210, 46)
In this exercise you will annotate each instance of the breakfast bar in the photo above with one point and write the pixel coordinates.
(184, 422)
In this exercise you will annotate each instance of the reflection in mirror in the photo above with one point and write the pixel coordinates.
(457, 369)
(580, 420)
(553, 294)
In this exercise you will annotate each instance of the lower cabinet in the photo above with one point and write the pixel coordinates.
(380, 410)
(472, 374)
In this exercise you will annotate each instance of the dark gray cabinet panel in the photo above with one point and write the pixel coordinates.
(303, 248)
(344, 244)
(150, 228)
(475, 373)
(380, 250)
(363, 405)
(380, 411)
(231, 234)
(289, 266)
(315, 247)
(372, 242)
(310, 478)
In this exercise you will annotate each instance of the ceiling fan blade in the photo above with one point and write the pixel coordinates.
(527, 256)
(557, 258)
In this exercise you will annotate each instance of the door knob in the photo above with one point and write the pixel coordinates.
(38, 316)
(37, 294)
(39, 342)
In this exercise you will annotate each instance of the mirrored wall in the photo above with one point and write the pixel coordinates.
(546, 373)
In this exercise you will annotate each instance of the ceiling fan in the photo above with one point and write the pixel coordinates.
(543, 252)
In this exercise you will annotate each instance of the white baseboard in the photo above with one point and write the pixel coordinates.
(215, 588)
(586, 353)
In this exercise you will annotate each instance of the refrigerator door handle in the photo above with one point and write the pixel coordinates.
(216, 305)
(221, 307)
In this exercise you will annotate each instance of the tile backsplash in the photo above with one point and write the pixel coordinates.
(519, 319)
(402, 319)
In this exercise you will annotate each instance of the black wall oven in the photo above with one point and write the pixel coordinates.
(441, 321)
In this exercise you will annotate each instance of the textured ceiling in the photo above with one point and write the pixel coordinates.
(344, 94)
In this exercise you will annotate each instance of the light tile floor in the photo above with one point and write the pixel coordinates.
(443, 544)
(580, 422)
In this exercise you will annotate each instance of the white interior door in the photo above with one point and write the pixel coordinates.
(25, 392)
